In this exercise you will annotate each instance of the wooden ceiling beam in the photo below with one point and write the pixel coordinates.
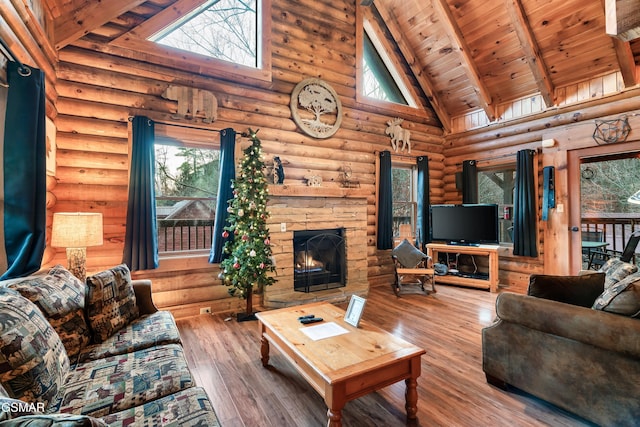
(391, 22)
(531, 50)
(90, 14)
(457, 40)
(622, 19)
(627, 63)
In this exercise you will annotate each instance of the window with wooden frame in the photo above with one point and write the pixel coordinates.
(382, 76)
(223, 38)
(186, 186)
(496, 185)
(404, 195)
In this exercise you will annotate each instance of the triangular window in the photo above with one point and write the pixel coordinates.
(380, 79)
(222, 29)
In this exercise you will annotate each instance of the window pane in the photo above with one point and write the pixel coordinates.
(222, 29)
(404, 206)
(186, 186)
(378, 83)
(497, 187)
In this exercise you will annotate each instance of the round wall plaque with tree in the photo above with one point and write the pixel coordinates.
(316, 108)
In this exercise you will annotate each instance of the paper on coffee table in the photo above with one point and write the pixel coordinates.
(324, 330)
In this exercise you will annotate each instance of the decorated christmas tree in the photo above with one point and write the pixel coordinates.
(248, 262)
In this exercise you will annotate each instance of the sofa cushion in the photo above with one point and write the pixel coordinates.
(33, 362)
(621, 298)
(54, 420)
(146, 331)
(576, 290)
(190, 407)
(111, 301)
(60, 296)
(616, 270)
(115, 383)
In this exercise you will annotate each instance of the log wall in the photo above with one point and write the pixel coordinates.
(572, 128)
(100, 86)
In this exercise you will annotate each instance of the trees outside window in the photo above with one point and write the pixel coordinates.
(186, 185)
(222, 29)
(403, 180)
(496, 186)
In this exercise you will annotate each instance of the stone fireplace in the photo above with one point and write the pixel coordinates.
(341, 223)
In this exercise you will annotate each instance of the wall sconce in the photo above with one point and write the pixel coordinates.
(548, 143)
(634, 198)
(76, 231)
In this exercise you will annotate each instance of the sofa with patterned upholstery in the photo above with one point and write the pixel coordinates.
(573, 341)
(93, 354)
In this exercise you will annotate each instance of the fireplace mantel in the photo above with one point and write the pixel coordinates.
(307, 191)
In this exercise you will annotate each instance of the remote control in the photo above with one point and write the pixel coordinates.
(312, 320)
(308, 316)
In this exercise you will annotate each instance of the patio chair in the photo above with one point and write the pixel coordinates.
(412, 267)
(630, 248)
(595, 257)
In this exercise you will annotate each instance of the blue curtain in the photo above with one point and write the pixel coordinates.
(524, 206)
(225, 193)
(423, 202)
(141, 238)
(24, 172)
(385, 203)
(469, 181)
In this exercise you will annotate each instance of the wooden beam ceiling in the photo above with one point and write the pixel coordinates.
(457, 40)
(89, 15)
(531, 50)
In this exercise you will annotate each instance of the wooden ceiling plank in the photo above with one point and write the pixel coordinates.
(457, 40)
(623, 19)
(423, 80)
(88, 16)
(531, 50)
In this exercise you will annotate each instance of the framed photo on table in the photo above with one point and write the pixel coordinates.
(354, 311)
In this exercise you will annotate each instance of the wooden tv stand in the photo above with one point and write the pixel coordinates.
(491, 251)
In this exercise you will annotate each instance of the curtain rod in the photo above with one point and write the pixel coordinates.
(487, 159)
(6, 51)
(404, 156)
(244, 134)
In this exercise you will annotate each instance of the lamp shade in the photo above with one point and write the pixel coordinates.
(635, 198)
(76, 229)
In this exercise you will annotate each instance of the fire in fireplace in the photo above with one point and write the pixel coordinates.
(319, 260)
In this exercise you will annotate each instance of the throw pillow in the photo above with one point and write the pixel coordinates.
(34, 362)
(54, 420)
(616, 270)
(408, 255)
(576, 290)
(621, 298)
(111, 302)
(60, 296)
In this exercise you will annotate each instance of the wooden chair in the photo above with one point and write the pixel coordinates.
(412, 267)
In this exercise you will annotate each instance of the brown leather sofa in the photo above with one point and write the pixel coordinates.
(552, 344)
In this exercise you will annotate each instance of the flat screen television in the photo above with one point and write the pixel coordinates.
(468, 224)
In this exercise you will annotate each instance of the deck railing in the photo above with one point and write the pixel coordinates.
(184, 234)
(615, 229)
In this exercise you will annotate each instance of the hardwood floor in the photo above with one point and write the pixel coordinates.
(224, 356)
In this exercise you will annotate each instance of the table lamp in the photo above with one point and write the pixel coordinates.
(76, 231)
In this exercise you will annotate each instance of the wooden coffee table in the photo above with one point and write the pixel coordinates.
(341, 367)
